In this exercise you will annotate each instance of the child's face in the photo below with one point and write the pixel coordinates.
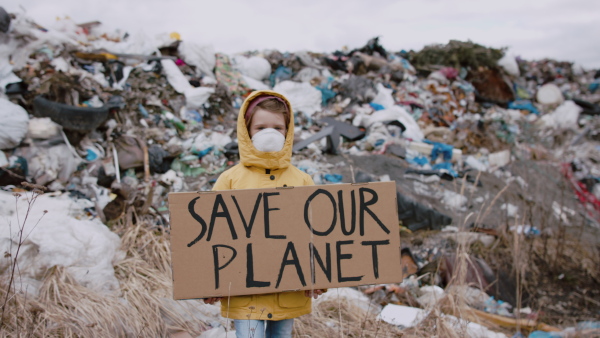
(262, 119)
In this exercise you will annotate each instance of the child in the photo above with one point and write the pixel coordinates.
(265, 131)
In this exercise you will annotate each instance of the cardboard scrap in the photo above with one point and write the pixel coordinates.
(255, 241)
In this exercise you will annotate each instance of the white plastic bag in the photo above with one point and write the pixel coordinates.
(303, 97)
(255, 67)
(42, 128)
(200, 56)
(384, 97)
(87, 248)
(255, 84)
(509, 63)
(395, 113)
(549, 94)
(55, 163)
(564, 117)
(195, 97)
(6, 71)
(307, 74)
(15, 121)
(174, 76)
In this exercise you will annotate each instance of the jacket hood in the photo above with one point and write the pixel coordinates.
(250, 156)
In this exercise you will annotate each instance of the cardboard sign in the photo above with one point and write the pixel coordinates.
(254, 241)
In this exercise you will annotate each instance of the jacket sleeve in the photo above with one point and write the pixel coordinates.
(308, 180)
(223, 182)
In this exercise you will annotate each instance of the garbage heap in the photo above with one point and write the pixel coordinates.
(481, 144)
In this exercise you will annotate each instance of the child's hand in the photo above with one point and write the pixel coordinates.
(313, 293)
(212, 300)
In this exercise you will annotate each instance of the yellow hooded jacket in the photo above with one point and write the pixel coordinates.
(259, 169)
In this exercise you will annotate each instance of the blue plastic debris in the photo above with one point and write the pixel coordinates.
(326, 92)
(419, 160)
(376, 106)
(192, 115)
(91, 155)
(440, 148)
(280, 74)
(89, 68)
(527, 230)
(202, 153)
(143, 111)
(333, 178)
(543, 334)
(405, 63)
(594, 86)
(524, 105)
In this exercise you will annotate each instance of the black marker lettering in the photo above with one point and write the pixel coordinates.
(374, 245)
(340, 257)
(216, 261)
(248, 226)
(250, 282)
(294, 261)
(307, 205)
(364, 207)
(199, 219)
(225, 213)
(315, 255)
(343, 216)
(267, 225)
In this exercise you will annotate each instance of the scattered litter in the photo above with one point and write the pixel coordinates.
(549, 94)
(474, 137)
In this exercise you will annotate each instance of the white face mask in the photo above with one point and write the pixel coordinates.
(268, 140)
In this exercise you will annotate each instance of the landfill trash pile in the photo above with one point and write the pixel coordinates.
(496, 161)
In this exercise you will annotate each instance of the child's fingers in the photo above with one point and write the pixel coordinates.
(313, 293)
(212, 300)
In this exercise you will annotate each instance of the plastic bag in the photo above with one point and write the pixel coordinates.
(509, 63)
(255, 84)
(303, 97)
(15, 121)
(43, 128)
(549, 94)
(195, 97)
(384, 97)
(255, 67)
(130, 151)
(86, 248)
(564, 117)
(395, 113)
(201, 56)
(56, 163)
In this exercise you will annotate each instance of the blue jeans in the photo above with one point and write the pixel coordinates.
(250, 328)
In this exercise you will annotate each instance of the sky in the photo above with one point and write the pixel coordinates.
(566, 30)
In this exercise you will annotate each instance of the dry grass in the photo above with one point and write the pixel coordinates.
(436, 322)
(342, 318)
(66, 309)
